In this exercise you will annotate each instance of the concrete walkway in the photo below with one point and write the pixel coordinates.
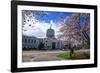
(31, 56)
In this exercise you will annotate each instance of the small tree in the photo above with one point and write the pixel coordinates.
(41, 46)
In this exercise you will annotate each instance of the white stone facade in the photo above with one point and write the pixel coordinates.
(50, 42)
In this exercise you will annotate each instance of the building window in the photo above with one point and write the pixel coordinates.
(32, 41)
(28, 40)
(25, 40)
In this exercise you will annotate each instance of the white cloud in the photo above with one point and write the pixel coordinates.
(38, 29)
(34, 27)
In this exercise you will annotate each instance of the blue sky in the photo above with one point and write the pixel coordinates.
(40, 21)
(54, 16)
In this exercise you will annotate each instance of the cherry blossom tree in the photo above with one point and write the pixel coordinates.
(75, 31)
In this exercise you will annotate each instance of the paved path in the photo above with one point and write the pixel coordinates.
(30, 56)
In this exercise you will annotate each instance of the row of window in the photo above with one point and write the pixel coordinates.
(29, 41)
(34, 41)
(28, 47)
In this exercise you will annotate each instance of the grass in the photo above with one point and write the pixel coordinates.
(76, 55)
(64, 55)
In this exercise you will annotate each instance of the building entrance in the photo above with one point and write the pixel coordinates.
(53, 45)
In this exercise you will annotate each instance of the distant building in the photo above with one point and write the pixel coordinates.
(50, 42)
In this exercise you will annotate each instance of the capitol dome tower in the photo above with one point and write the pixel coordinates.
(50, 33)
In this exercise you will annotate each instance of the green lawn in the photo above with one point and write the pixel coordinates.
(76, 55)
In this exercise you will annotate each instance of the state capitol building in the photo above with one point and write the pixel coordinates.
(50, 42)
